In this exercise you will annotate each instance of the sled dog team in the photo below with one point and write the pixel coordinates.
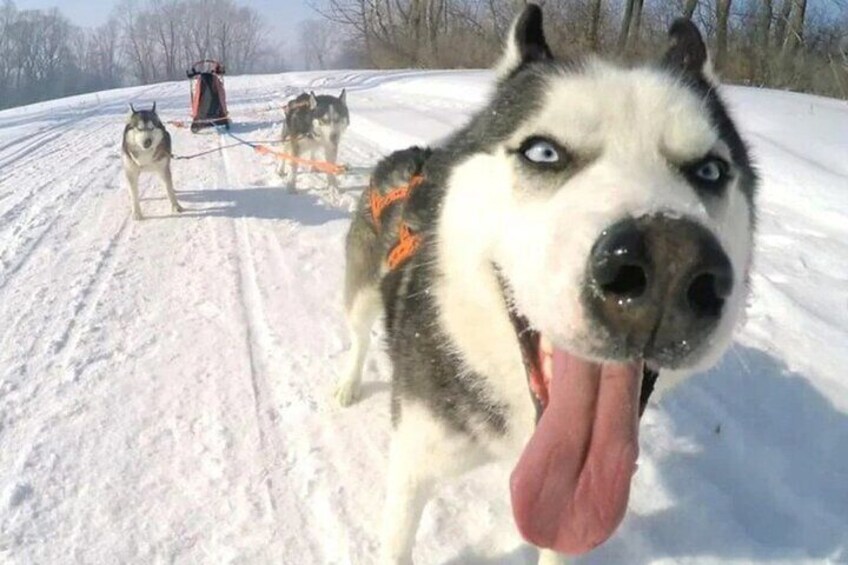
(312, 122)
(585, 236)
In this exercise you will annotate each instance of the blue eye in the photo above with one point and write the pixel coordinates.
(710, 175)
(711, 171)
(543, 152)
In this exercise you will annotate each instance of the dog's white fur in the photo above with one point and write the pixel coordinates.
(634, 123)
(363, 313)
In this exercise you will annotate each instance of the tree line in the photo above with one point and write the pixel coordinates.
(44, 56)
(793, 44)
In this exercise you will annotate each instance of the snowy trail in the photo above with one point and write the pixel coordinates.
(166, 385)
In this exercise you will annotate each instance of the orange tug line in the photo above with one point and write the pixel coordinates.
(322, 166)
(408, 241)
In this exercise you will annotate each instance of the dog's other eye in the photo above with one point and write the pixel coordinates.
(542, 152)
(710, 173)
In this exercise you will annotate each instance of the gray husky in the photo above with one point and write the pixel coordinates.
(313, 122)
(146, 147)
(589, 229)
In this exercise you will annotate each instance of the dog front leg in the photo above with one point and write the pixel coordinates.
(291, 179)
(409, 487)
(331, 154)
(363, 311)
(168, 181)
(132, 174)
(423, 452)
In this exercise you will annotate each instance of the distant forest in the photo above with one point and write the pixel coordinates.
(793, 44)
(44, 56)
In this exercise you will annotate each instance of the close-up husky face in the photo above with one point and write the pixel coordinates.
(629, 235)
(145, 128)
(613, 206)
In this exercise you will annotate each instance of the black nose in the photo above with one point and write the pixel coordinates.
(658, 285)
(147, 143)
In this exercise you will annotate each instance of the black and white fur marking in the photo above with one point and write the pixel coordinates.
(146, 147)
(514, 207)
(313, 122)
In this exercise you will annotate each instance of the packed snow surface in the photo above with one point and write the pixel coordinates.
(166, 385)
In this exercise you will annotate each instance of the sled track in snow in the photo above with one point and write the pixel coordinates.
(54, 132)
(284, 503)
(56, 209)
(89, 295)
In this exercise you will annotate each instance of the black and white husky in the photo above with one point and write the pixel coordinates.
(146, 147)
(313, 122)
(590, 226)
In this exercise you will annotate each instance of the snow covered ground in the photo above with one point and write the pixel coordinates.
(166, 386)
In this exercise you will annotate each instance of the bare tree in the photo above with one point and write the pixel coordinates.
(795, 27)
(167, 21)
(162, 37)
(317, 44)
(722, 16)
(595, 28)
(781, 23)
(138, 47)
(763, 33)
(689, 9)
(631, 25)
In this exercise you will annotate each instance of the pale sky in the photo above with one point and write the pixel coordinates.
(282, 16)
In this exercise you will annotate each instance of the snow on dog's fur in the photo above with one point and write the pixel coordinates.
(592, 225)
(146, 147)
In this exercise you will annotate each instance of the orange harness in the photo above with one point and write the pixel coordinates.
(408, 241)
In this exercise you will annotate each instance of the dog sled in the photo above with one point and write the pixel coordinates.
(208, 99)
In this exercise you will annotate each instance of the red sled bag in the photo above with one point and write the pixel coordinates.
(208, 99)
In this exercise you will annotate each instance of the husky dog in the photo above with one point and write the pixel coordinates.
(313, 122)
(147, 147)
(588, 228)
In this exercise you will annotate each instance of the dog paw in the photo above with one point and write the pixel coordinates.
(347, 393)
(177, 209)
(137, 215)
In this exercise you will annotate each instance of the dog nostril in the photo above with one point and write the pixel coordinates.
(619, 260)
(706, 295)
(628, 281)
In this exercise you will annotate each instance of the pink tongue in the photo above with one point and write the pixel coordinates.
(571, 485)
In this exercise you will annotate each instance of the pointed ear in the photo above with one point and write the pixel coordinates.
(313, 102)
(687, 51)
(343, 96)
(154, 107)
(526, 42)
